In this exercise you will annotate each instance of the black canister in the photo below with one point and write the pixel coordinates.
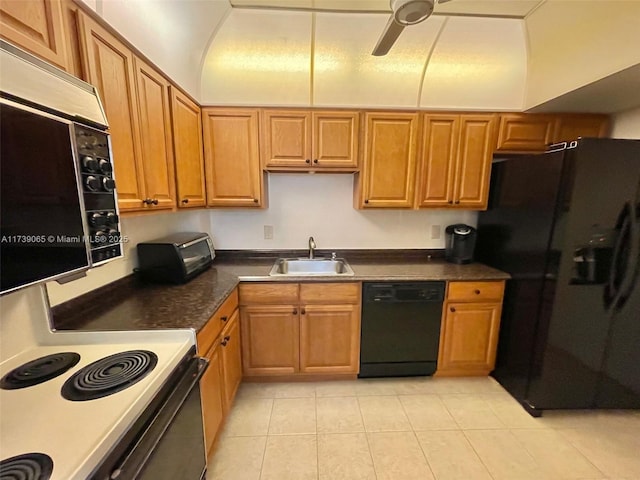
(460, 243)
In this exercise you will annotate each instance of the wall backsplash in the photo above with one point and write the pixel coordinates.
(321, 205)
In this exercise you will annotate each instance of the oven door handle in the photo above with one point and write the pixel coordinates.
(137, 457)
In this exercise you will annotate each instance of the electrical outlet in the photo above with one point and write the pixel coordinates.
(435, 232)
(268, 232)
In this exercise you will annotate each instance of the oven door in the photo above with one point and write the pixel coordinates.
(172, 445)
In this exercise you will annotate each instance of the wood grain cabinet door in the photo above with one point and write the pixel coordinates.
(270, 339)
(186, 121)
(388, 174)
(475, 152)
(231, 359)
(438, 163)
(469, 338)
(37, 26)
(570, 127)
(211, 395)
(286, 138)
(329, 339)
(335, 139)
(109, 66)
(522, 132)
(232, 158)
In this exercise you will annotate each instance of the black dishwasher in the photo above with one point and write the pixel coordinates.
(400, 328)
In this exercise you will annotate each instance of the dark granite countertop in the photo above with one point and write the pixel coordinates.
(133, 305)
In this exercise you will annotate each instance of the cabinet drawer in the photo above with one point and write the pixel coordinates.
(334, 293)
(475, 291)
(269, 293)
(218, 320)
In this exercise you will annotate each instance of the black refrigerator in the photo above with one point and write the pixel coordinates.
(566, 226)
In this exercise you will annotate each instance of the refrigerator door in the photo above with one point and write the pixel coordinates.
(606, 177)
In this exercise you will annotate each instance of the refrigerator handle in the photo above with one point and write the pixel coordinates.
(633, 259)
(613, 286)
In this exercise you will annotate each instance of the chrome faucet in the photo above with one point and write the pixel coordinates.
(312, 248)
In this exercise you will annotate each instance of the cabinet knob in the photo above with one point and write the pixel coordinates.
(315, 161)
(255, 200)
(452, 309)
(185, 200)
(457, 202)
(450, 202)
(227, 338)
(154, 201)
(476, 291)
(366, 200)
(303, 311)
(307, 161)
(295, 311)
(224, 319)
(147, 201)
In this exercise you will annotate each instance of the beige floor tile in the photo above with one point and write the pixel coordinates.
(427, 412)
(466, 385)
(237, 458)
(344, 456)
(249, 417)
(470, 411)
(613, 451)
(292, 457)
(346, 388)
(293, 416)
(295, 390)
(414, 386)
(383, 414)
(451, 456)
(509, 411)
(397, 455)
(257, 390)
(504, 456)
(556, 455)
(375, 386)
(338, 415)
(564, 419)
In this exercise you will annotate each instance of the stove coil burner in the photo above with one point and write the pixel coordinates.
(30, 466)
(39, 370)
(109, 375)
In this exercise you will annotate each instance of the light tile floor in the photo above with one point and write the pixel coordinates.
(425, 428)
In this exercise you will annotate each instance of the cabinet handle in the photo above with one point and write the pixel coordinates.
(450, 202)
(303, 311)
(295, 311)
(366, 200)
(255, 200)
(315, 161)
(185, 200)
(154, 201)
(224, 319)
(147, 201)
(457, 202)
(307, 161)
(452, 309)
(477, 292)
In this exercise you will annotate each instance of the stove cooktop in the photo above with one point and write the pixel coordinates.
(29, 466)
(39, 370)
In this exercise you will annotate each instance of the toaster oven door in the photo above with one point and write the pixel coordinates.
(196, 255)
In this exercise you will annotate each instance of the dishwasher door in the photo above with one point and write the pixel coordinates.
(400, 328)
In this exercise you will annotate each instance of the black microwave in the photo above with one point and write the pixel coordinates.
(176, 258)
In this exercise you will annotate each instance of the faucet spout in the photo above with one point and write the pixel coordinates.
(312, 248)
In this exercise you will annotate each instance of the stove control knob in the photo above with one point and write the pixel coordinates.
(108, 184)
(105, 166)
(112, 219)
(92, 183)
(99, 237)
(98, 219)
(89, 163)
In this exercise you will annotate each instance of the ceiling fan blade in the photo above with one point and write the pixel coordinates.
(391, 33)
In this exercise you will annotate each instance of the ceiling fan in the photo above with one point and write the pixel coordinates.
(403, 14)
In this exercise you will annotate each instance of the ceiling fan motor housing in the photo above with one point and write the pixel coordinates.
(410, 12)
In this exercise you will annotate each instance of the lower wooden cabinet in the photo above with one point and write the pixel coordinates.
(470, 327)
(211, 384)
(231, 359)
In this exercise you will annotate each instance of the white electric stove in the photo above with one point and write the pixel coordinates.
(94, 437)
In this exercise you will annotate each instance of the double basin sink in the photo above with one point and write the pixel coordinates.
(302, 267)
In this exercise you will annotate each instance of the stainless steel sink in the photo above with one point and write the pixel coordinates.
(302, 267)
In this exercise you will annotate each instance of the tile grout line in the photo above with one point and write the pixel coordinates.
(266, 442)
(466, 439)
(366, 436)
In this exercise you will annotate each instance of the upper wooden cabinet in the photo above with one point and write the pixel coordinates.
(232, 158)
(37, 26)
(456, 160)
(569, 127)
(303, 140)
(388, 171)
(186, 121)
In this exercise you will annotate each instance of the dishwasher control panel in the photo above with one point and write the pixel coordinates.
(399, 292)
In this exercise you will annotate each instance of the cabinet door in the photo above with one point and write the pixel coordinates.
(287, 138)
(232, 158)
(231, 359)
(109, 66)
(475, 152)
(187, 149)
(438, 162)
(211, 394)
(36, 26)
(388, 174)
(469, 338)
(570, 127)
(329, 339)
(521, 132)
(155, 135)
(270, 339)
(335, 139)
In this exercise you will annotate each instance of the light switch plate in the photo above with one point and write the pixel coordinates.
(268, 232)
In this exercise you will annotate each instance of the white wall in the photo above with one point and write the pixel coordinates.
(135, 230)
(626, 124)
(303, 205)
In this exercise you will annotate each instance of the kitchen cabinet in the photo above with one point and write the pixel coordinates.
(220, 339)
(37, 26)
(310, 140)
(232, 158)
(316, 332)
(387, 179)
(455, 164)
(186, 121)
(571, 126)
(470, 327)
